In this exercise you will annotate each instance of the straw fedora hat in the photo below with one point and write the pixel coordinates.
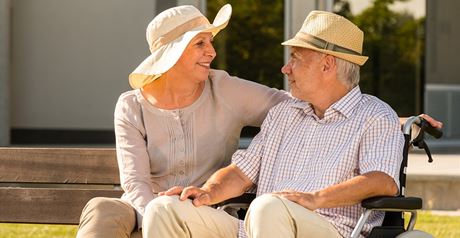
(168, 34)
(331, 34)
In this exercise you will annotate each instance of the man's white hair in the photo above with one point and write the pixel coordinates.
(347, 72)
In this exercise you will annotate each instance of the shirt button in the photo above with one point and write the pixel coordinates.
(181, 172)
(181, 162)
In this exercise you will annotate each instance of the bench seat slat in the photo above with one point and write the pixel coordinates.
(59, 165)
(46, 206)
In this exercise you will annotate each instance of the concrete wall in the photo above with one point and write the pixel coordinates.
(5, 72)
(439, 192)
(442, 89)
(71, 60)
(442, 37)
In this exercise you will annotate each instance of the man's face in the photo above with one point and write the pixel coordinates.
(304, 72)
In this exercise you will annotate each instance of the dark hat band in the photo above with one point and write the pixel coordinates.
(322, 44)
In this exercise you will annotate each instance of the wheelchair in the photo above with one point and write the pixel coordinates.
(393, 206)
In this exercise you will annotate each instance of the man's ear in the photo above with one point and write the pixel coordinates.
(329, 63)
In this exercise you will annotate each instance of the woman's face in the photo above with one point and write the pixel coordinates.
(196, 60)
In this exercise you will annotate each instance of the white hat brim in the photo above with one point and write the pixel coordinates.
(166, 56)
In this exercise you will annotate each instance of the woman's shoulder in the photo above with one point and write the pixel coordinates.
(129, 98)
(127, 101)
(221, 80)
(128, 95)
(218, 76)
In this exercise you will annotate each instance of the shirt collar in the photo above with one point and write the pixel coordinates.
(344, 106)
(348, 102)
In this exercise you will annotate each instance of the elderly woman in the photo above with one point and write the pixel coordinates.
(180, 124)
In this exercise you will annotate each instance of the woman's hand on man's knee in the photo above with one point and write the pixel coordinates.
(198, 196)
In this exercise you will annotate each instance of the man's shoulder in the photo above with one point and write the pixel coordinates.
(375, 107)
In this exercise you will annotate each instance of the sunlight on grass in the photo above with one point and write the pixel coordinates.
(439, 226)
(37, 231)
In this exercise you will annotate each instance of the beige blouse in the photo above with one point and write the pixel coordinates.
(158, 148)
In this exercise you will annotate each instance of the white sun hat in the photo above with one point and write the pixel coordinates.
(168, 34)
(331, 34)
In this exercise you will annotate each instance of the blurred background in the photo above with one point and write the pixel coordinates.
(63, 63)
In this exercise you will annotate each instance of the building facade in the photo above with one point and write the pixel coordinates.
(63, 64)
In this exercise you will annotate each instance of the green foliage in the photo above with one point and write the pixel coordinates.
(394, 42)
(250, 46)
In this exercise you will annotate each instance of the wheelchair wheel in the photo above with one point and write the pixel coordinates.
(414, 234)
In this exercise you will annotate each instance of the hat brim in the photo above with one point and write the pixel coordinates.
(357, 59)
(165, 57)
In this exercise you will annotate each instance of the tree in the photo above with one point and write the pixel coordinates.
(250, 47)
(394, 42)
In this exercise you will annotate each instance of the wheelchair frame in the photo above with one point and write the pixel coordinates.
(394, 207)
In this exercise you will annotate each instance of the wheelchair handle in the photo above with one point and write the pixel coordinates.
(435, 132)
(424, 126)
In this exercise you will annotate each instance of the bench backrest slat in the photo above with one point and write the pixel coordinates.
(59, 165)
(52, 185)
(45, 206)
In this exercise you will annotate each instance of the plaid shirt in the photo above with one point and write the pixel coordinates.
(296, 150)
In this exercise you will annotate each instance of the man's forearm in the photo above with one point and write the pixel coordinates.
(355, 190)
(227, 183)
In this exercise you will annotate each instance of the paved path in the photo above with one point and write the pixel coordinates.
(445, 213)
(443, 164)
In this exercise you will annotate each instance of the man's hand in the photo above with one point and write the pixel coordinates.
(304, 199)
(197, 195)
(434, 123)
(349, 192)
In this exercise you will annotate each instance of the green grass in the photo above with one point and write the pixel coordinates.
(437, 225)
(37, 231)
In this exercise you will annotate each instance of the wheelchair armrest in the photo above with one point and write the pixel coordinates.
(397, 203)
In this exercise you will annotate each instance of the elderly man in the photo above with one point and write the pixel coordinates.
(315, 159)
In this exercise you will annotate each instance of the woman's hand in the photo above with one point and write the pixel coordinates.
(198, 196)
(176, 190)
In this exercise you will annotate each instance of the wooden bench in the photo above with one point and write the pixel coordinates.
(52, 185)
